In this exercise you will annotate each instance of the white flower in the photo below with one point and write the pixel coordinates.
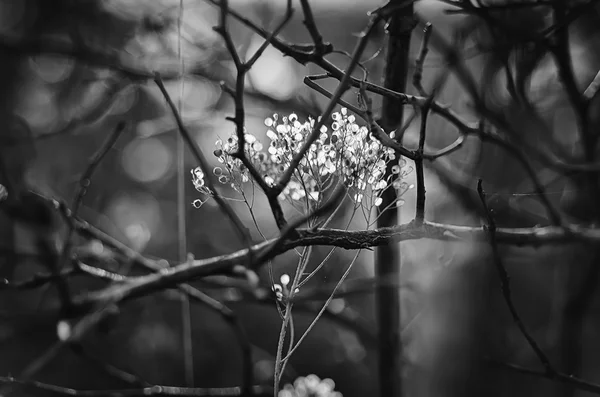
(348, 153)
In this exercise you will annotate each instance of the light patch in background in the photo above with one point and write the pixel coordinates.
(124, 100)
(347, 347)
(38, 107)
(264, 370)
(137, 215)
(198, 95)
(163, 125)
(13, 16)
(146, 160)
(197, 29)
(134, 9)
(51, 69)
(91, 95)
(273, 74)
(149, 339)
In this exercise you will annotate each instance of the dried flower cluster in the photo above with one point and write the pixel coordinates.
(282, 291)
(310, 386)
(199, 184)
(347, 154)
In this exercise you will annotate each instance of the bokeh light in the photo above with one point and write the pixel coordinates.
(51, 69)
(146, 160)
(264, 370)
(199, 96)
(124, 100)
(273, 74)
(39, 107)
(195, 94)
(138, 215)
(14, 15)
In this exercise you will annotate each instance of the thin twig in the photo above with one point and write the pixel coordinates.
(199, 157)
(419, 169)
(310, 82)
(238, 96)
(85, 180)
(36, 281)
(340, 90)
(311, 26)
(186, 312)
(467, 80)
(420, 61)
(191, 292)
(231, 318)
(581, 282)
(289, 12)
(573, 381)
(84, 183)
(109, 369)
(324, 307)
(505, 284)
(97, 272)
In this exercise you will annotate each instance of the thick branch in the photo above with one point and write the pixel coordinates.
(146, 391)
(171, 277)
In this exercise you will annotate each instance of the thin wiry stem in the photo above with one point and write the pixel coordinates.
(84, 183)
(325, 305)
(570, 380)
(186, 310)
(230, 317)
(505, 284)
(287, 319)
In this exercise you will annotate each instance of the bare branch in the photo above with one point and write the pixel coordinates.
(35, 281)
(575, 382)
(84, 183)
(311, 26)
(289, 12)
(146, 391)
(224, 32)
(420, 210)
(466, 79)
(341, 88)
(505, 283)
(420, 61)
(239, 226)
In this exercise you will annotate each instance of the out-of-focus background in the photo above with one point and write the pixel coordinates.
(58, 110)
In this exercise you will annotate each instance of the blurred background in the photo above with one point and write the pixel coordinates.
(58, 110)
